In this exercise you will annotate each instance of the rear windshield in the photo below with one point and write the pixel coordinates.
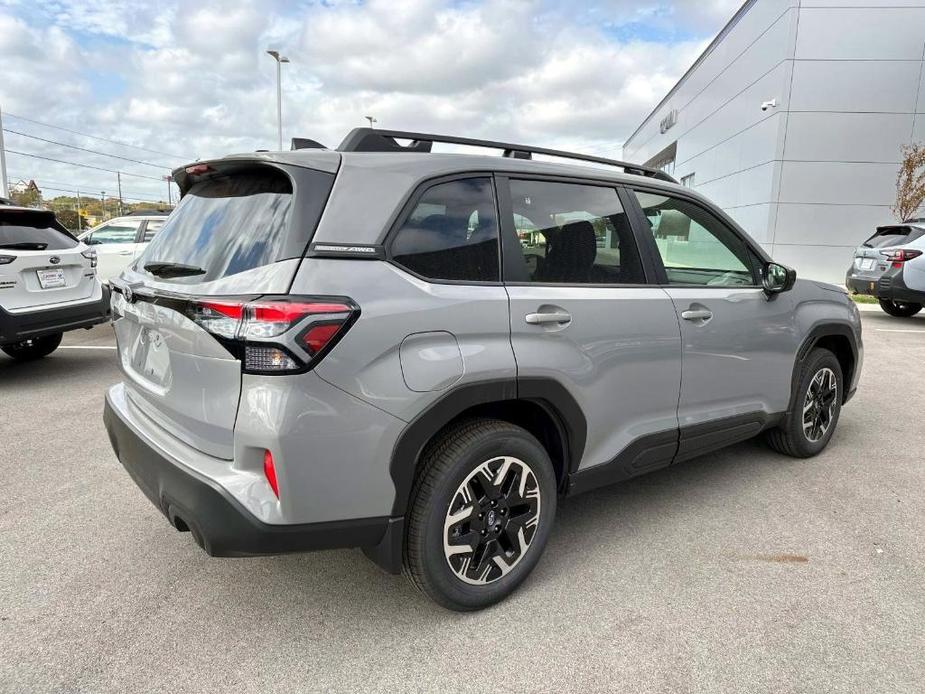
(228, 224)
(893, 236)
(30, 231)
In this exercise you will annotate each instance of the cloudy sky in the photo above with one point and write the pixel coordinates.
(191, 80)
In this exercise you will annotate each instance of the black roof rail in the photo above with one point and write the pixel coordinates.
(376, 140)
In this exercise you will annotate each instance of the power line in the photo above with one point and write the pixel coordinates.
(88, 189)
(89, 196)
(69, 184)
(93, 137)
(83, 166)
(84, 149)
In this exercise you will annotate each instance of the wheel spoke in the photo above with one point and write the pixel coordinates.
(492, 520)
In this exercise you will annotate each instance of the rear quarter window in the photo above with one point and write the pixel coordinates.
(230, 223)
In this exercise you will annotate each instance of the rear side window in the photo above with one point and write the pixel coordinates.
(451, 233)
(31, 231)
(117, 232)
(151, 230)
(574, 234)
(231, 223)
(894, 236)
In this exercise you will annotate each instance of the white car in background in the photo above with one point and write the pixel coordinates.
(48, 283)
(121, 240)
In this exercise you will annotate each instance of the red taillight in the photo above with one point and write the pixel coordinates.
(318, 336)
(269, 471)
(288, 311)
(277, 335)
(197, 169)
(901, 256)
(227, 309)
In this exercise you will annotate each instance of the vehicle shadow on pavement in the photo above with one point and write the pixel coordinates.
(601, 521)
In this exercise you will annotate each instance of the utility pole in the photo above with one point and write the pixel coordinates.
(119, 182)
(4, 183)
(79, 228)
(168, 179)
(279, 93)
(102, 205)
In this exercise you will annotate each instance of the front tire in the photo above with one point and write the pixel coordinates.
(814, 413)
(900, 309)
(482, 509)
(35, 348)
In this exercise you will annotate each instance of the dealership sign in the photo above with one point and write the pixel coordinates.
(669, 121)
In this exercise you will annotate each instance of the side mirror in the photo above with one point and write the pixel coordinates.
(777, 278)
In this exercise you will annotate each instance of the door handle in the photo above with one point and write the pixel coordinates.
(126, 252)
(552, 317)
(697, 314)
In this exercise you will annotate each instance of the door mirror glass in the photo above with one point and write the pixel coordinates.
(778, 278)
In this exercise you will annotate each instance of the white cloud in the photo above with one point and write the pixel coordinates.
(196, 80)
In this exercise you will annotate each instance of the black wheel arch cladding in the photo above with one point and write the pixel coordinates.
(546, 393)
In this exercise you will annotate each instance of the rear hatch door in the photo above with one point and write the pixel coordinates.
(41, 264)
(870, 260)
(239, 232)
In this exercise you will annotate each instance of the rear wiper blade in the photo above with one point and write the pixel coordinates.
(866, 245)
(164, 269)
(25, 246)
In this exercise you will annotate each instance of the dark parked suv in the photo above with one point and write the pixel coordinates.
(419, 354)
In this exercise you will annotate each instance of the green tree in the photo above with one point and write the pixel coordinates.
(29, 197)
(68, 217)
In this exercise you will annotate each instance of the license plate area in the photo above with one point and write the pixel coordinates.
(51, 279)
(866, 264)
(150, 357)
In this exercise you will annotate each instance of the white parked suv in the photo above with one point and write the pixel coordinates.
(48, 283)
(121, 240)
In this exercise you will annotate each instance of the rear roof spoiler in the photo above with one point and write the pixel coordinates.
(374, 140)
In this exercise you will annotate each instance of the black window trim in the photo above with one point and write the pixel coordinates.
(513, 256)
(644, 236)
(407, 207)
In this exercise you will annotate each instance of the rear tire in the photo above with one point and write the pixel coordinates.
(35, 348)
(481, 512)
(900, 309)
(815, 409)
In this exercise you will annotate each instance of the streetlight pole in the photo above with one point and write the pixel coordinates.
(4, 183)
(79, 228)
(102, 205)
(372, 121)
(119, 180)
(279, 93)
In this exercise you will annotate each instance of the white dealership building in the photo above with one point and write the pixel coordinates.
(792, 120)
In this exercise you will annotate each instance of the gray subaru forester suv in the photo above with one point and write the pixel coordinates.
(418, 353)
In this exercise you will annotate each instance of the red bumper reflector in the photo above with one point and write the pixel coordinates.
(270, 471)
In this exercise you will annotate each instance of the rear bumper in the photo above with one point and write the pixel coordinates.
(23, 326)
(860, 285)
(218, 522)
(894, 288)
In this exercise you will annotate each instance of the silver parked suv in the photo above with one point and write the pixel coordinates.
(419, 353)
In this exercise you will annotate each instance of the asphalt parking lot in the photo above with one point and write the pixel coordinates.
(740, 571)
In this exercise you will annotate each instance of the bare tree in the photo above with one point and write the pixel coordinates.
(910, 182)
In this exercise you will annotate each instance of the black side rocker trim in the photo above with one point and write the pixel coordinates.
(661, 449)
